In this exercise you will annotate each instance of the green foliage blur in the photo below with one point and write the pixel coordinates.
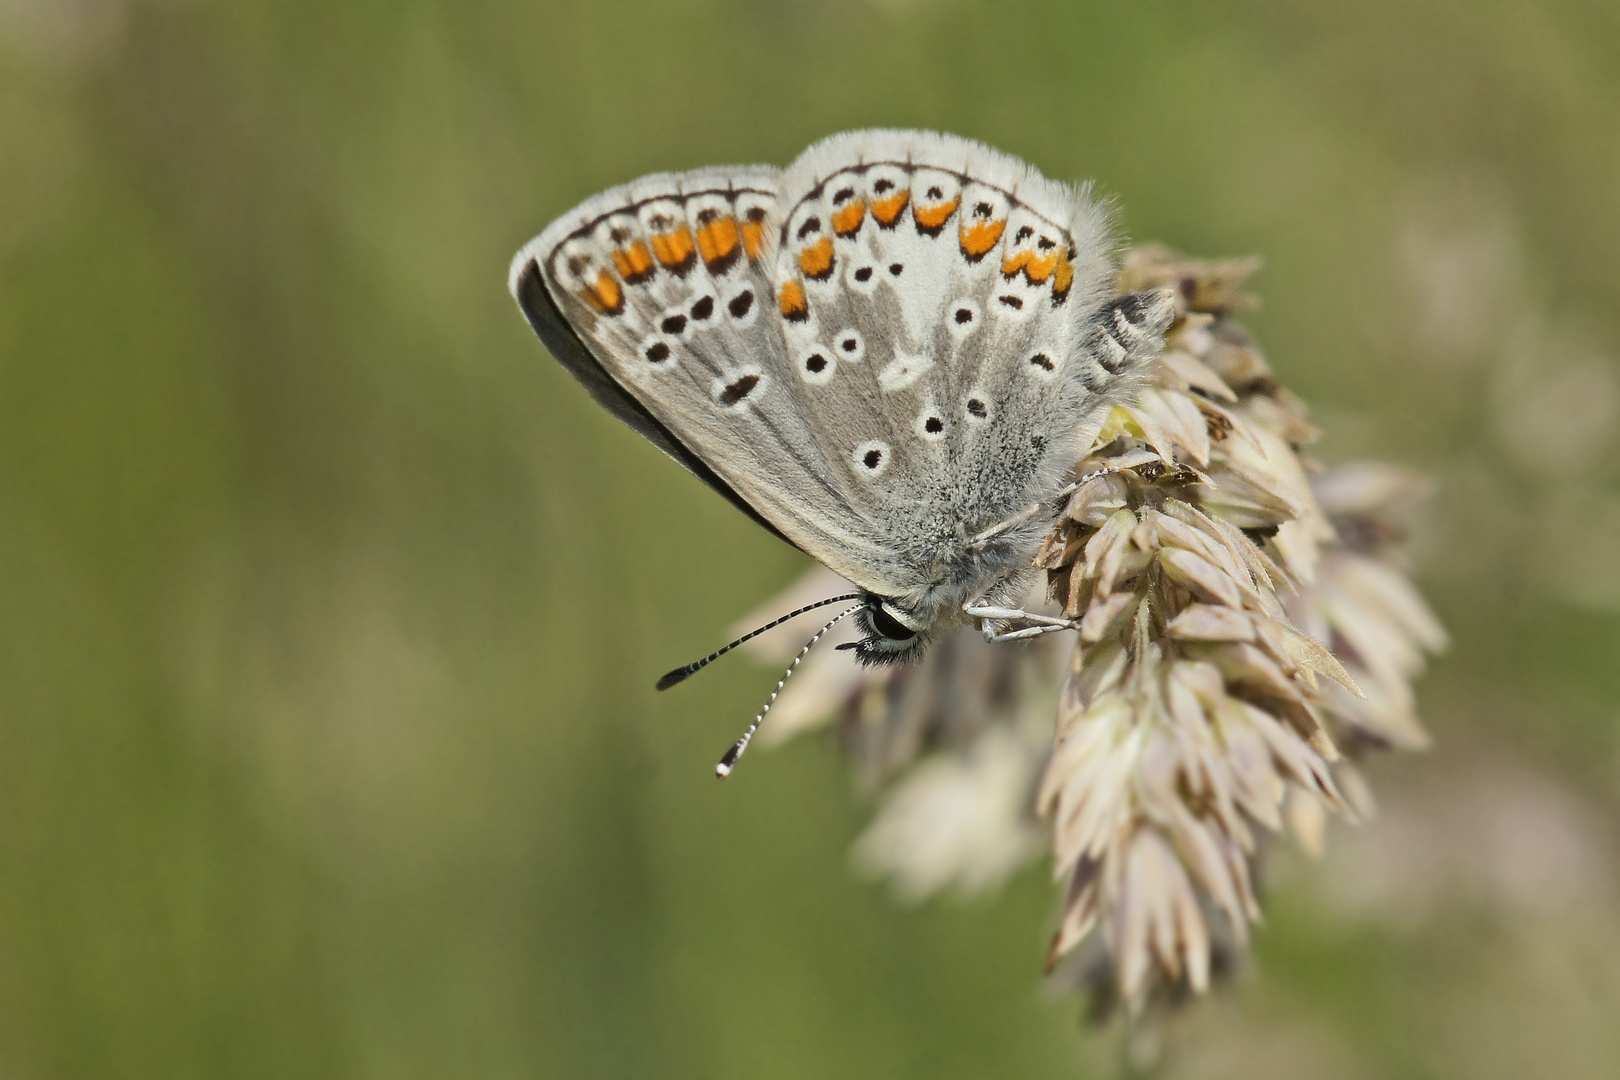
(331, 608)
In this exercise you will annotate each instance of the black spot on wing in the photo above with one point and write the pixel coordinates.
(738, 390)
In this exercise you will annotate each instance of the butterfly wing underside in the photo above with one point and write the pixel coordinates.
(556, 333)
(937, 299)
(656, 296)
(876, 351)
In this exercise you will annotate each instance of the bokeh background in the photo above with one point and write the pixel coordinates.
(330, 607)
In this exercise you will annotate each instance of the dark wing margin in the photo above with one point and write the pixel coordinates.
(540, 308)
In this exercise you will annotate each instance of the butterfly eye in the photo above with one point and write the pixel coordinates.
(887, 639)
(889, 626)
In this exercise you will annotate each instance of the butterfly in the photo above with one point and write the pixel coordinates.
(890, 354)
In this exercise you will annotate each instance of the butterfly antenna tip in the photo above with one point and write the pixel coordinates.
(729, 760)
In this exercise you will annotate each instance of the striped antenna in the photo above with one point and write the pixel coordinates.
(729, 761)
(681, 674)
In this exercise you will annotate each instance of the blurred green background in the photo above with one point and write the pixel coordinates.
(331, 607)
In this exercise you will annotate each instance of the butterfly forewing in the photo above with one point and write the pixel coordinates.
(666, 283)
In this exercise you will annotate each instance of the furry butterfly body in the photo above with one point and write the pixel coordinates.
(889, 353)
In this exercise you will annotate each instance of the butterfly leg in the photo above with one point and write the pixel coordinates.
(1003, 614)
(996, 638)
(1035, 625)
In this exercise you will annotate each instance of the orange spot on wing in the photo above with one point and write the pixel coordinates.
(790, 299)
(717, 242)
(1015, 262)
(888, 210)
(847, 220)
(605, 295)
(816, 260)
(979, 237)
(1062, 278)
(674, 248)
(635, 262)
(933, 218)
(1040, 267)
(753, 236)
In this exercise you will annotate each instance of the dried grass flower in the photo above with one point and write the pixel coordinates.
(1247, 629)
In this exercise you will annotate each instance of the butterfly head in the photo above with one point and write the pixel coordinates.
(889, 633)
(899, 629)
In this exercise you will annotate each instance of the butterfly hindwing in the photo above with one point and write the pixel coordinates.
(946, 294)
